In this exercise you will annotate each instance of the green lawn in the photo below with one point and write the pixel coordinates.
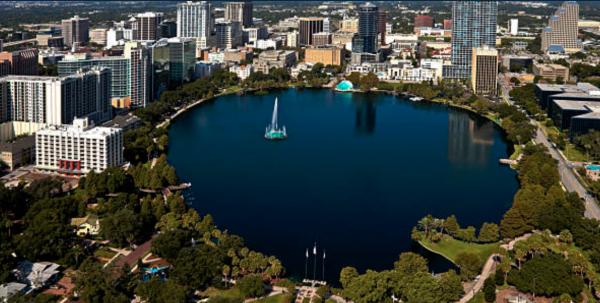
(478, 298)
(518, 150)
(232, 293)
(283, 298)
(573, 153)
(449, 248)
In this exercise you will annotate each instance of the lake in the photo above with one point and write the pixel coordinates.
(355, 174)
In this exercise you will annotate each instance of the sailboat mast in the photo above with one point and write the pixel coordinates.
(274, 119)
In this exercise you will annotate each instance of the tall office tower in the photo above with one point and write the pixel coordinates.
(229, 34)
(57, 100)
(239, 11)
(120, 68)
(140, 60)
(423, 21)
(194, 20)
(308, 27)
(473, 25)
(513, 27)
(174, 60)
(484, 70)
(146, 26)
(168, 29)
(366, 40)
(75, 31)
(381, 26)
(327, 25)
(20, 62)
(562, 28)
(78, 148)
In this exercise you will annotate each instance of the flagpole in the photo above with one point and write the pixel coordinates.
(315, 263)
(306, 265)
(323, 266)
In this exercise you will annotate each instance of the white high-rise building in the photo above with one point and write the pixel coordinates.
(239, 11)
(140, 60)
(78, 148)
(57, 100)
(229, 34)
(194, 20)
(513, 27)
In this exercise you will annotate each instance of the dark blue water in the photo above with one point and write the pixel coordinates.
(355, 174)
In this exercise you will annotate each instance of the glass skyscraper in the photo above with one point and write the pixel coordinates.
(473, 25)
(366, 40)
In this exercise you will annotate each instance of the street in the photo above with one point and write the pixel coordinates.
(568, 179)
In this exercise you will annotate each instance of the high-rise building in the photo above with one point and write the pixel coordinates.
(98, 36)
(79, 148)
(423, 21)
(513, 27)
(194, 20)
(291, 39)
(382, 26)
(349, 25)
(75, 31)
(562, 28)
(473, 25)
(368, 27)
(239, 11)
(168, 29)
(146, 26)
(229, 34)
(484, 70)
(20, 62)
(57, 100)
(327, 25)
(321, 39)
(174, 62)
(326, 56)
(140, 60)
(119, 66)
(308, 27)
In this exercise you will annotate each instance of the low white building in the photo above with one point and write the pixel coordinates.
(78, 148)
(216, 57)
(242, 71)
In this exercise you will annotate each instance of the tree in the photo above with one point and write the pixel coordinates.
(197, 266)
(251, 286)
(354, 77)
(96, 285)
(540, 275)
(489, 232)
(410, 263)
(368, 81)
(157, 291)
(513, 224)
(489, 289)
(469, 264)
(451, 225)
(122, 227)
(467, 234)
(347, 275)
(566, 236)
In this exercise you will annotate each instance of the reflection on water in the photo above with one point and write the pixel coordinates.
(365, 116)
(469, 141)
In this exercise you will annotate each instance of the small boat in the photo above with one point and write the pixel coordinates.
(273, 132)
(415, 99)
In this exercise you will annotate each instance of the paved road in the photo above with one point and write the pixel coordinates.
(488, 268)
(568, 179)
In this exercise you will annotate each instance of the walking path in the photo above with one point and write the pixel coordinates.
(489, 268)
